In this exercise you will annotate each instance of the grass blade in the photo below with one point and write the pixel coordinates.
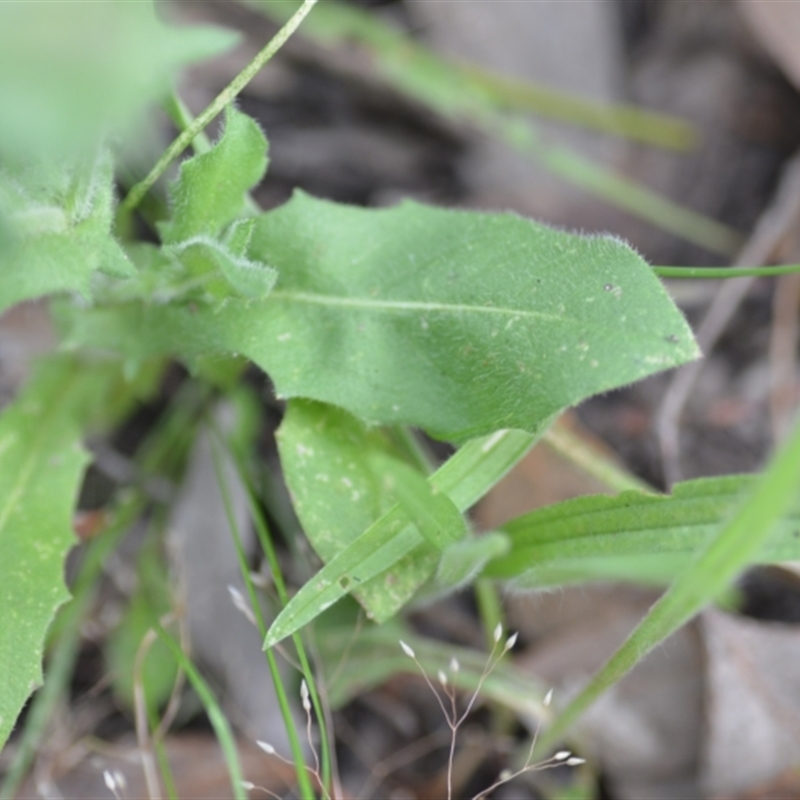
(734, 546)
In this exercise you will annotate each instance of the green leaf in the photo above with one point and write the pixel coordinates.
(58, 230)
(216, 274)
(379, 550)
(456, 322)
(210, 190)
(343, 477)
(734, 543)
(463, 561)
(431, 511)
(632, 536)
(41, 466)
(150, 602)
(68, 71)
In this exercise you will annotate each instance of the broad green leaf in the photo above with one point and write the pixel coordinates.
(58, 230)
(41, 466)
(456, 322)
(734, 543)
(69, 71)
(343, 477)
(465, 478)
(632, 536)
(211, 187)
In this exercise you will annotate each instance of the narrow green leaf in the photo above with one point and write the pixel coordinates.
(41, 466)
(733, 545)
(211, 187)
(431, 511)
(216, 715)
(375, 554)
(339, 489)
(632, 536)
(501, 322)
(343, 477)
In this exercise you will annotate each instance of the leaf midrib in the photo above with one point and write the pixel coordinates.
(409, 305)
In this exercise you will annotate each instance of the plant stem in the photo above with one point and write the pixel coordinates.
(227, 95)
(301, 770)
(594, 463)
(725, 272)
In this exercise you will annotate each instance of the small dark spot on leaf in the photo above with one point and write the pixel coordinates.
(609, 287)
(344, 582)
(672, 339)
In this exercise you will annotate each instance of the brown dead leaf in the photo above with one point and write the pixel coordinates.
(646, 732)
(752, 703)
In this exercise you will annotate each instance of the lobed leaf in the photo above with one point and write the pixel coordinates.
(41, 467)
(211, 187)
(456, 322)
(57, 223)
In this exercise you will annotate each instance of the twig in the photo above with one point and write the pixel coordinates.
(773, 226)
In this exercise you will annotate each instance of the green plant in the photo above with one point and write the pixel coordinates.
(478, 329)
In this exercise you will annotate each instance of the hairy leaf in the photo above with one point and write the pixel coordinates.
(379, 551)
(632, 536)
(343, 477)
(68, 71)
(463, 561)
(57, 225)
(41, 466)
(210, 190)
(733, 544)
(456, 322)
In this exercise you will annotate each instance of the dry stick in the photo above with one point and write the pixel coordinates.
(227, 95)
(772, 227)
(142, 723)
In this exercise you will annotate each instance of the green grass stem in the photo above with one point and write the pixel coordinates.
(215, 714)
(226, 96)
(726, 272)
(304, 783)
